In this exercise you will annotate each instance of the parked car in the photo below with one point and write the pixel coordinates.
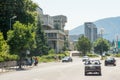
(67, 59)
(110, 61)
(85, 58)
(92, 66)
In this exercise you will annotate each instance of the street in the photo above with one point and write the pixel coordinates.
(63, 71)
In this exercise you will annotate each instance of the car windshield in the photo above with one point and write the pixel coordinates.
(93, 62)
(85, 56)
(110, 58)
(66, 58)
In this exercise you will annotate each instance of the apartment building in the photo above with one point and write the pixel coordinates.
(90, 31)
(53, 27)
(55, 33)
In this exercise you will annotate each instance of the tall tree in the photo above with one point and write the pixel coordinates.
(41, 40)
(21, 39)
(4, 48)
(101, 45)
(83, 45)
(21, 8)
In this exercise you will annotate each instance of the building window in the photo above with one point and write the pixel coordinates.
(52, 35)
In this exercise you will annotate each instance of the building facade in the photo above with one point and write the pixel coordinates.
(53, 27)
(90, 31)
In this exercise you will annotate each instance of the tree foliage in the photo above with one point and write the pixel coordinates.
(83, 45)
(101, 45)
(21, 38)
(27, 31)
(4, 50)
(41, 40)
(23, 9)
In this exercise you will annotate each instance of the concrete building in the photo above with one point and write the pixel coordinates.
(40, 12)
(59, 22)
(90, 31)
(47, 22)
(54, 28)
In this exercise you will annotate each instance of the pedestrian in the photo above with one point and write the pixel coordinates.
(36, 61)
(32, 61)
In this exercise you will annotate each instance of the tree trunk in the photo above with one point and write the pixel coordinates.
(20, 62)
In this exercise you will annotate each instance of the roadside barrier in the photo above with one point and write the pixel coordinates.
(11, 65)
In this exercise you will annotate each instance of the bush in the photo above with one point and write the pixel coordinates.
(46, 58)
(8, 57)
(117, 55)
(13, 57)
(67, 53)
(1, 59)
(92, 55)
(52, 57)
(107, 54)
(52, 51)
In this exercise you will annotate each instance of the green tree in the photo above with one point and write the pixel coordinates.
(23, 9)
(101, 45)
(83, 45)
(66, 44)
(20, 39)
(4, 48)
(41, 40)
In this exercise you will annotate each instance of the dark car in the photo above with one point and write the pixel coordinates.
(92, 66)
(110, 61)
(85, 58)
(67, 59)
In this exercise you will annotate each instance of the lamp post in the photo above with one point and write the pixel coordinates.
(101, 32)
(11, 19)
(27, 52)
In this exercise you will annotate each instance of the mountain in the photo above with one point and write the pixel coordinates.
(111, 28)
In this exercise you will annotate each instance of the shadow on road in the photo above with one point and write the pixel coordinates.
(93, 75)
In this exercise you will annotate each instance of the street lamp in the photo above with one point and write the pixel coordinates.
(28, 52)
(11, 19)
(101, 32)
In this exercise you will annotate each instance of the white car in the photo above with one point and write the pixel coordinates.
(85, 58)
(67, 59)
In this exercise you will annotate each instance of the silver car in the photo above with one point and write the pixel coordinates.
(85, 58)
(92, 66)
(67, 59)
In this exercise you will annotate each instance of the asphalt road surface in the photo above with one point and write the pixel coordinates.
(63, 71)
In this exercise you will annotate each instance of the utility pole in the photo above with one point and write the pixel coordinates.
(117, 44)
(11, 19)
(101, 31)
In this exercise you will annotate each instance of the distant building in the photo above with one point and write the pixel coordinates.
(75, 37)
(90, 31)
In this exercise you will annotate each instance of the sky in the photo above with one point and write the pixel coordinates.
(80, 11)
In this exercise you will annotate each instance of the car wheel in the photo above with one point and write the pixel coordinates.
(100, 73)
(114, 64)
(85, 73)
(105, 64)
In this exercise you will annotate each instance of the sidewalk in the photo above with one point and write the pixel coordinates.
(15, 68)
